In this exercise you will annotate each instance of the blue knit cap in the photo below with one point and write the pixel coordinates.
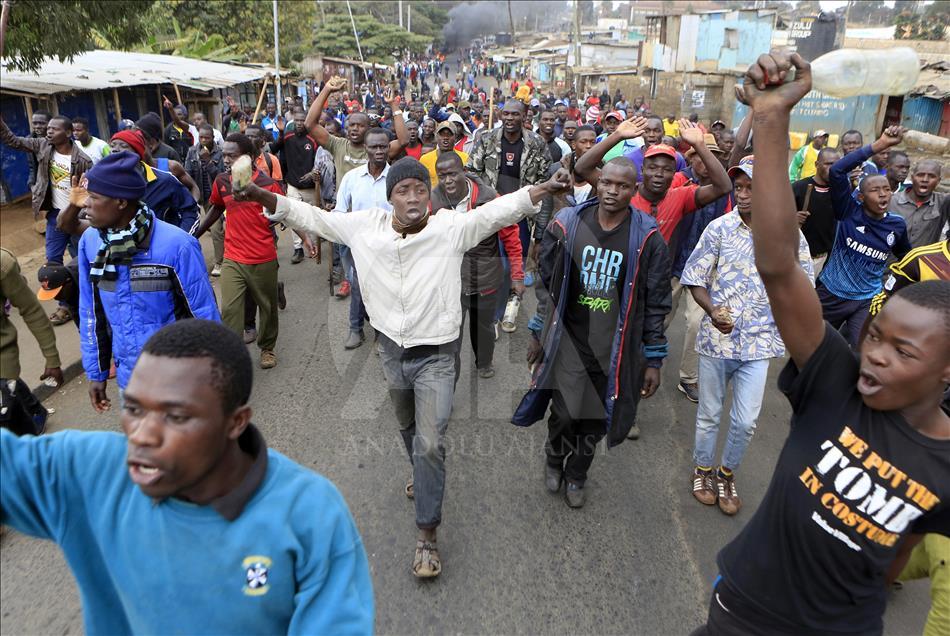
(117, 176)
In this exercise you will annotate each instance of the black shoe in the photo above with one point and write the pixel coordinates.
(281, 298)
(552, 477)
(575, 495)
(297, 257)
(354, 340)
(691, 391)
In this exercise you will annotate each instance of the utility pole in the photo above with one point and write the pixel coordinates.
(400, 14)
(277, 60)
(577, 44)
(409, 18)
(356, 36)
(511, 24)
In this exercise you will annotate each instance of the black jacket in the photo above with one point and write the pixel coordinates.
(481, 267)
(639, 338)
(180, 142)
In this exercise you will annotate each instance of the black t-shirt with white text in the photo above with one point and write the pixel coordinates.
(849, 485)
(509, 166)
(595, 288)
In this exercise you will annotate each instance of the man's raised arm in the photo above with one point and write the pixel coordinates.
(775, 231)
(587, 166)
(399, 124)
(312, 123)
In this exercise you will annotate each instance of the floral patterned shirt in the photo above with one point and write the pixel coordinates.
(724, 263)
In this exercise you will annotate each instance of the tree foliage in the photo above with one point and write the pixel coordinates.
(65, 28)
(428, 17)
(379, 41)
(245, 25)
(191, 43)
(932, 25)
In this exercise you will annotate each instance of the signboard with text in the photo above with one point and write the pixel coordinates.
(813, 36)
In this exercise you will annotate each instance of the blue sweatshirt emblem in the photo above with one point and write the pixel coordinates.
(256, 569)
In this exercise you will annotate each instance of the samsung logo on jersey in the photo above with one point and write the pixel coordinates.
(860, 248)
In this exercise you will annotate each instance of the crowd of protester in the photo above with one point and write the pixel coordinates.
(613, 215)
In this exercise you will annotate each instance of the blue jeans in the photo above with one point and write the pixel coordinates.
(422, 386)
(58, 242)
(748, 386)
(358, 313)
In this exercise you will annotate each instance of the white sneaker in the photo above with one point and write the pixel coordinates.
(216, 270)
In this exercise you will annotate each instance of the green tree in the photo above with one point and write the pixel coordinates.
(65, 28)
(245, 25)
(379, 41)
(428, 17)
(932, 25)
(191, 43)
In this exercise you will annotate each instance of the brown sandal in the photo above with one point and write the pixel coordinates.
(410, 492)
(426, 564)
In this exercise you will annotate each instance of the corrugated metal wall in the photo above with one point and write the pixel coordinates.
(14, 169)
(923, 114)
(835, 115)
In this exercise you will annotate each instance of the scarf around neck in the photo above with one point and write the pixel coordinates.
(412, 228)
(120, 245)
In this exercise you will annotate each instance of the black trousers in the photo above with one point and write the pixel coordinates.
(727, 622)
(577, 422)
(480, 309)
(572, 443)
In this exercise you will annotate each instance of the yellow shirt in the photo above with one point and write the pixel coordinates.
(809, 169)
(524, 93)
(429, 159)
(671, 130)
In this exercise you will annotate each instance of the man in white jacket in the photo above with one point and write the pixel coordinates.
(409, 274)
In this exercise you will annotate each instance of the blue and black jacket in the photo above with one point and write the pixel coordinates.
(167, 281)
(639, 339)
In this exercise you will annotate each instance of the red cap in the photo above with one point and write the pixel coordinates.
(134, 139)
(660, 149)
(616, 114)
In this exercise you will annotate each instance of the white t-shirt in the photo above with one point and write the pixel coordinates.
(59, 166)
(96, 150)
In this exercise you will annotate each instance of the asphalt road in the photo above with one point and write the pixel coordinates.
(639, 558)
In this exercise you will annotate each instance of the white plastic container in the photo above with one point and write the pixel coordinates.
(511, 313)
(853, 72)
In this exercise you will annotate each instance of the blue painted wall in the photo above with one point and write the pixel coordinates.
(923, 114)
(835, 115)
(14, 169)
(755, 36)
(82, 105)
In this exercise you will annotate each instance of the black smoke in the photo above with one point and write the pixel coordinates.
(488, 17)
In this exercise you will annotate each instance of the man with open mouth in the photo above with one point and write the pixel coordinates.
(188, 523)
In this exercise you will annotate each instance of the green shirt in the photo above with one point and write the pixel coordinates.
(346, 156)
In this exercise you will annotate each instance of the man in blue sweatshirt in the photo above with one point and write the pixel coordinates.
(189, 523)
(866, 237)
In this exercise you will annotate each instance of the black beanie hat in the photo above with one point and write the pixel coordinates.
(406, 168)
(151, 125)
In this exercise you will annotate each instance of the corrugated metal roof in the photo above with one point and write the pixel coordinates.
(934, 82)
(113, 69)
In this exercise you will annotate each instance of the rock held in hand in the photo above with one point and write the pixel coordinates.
(241, 171)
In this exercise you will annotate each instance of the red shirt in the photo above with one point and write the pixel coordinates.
(671, 209)
(248, 238)
(415, 153)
